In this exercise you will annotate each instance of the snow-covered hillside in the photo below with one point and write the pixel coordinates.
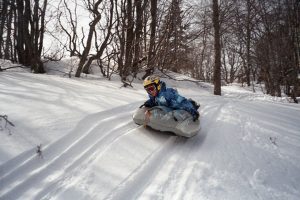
(248, 146)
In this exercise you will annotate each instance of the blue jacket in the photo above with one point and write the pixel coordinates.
(169, 97)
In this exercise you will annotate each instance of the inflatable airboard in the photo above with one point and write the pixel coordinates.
(162, 118)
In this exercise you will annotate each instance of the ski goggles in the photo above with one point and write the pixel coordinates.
(150, 88)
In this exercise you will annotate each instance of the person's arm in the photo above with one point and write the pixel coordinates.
(177, 101)
(188, 106)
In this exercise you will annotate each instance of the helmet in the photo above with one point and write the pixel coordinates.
(153, 79)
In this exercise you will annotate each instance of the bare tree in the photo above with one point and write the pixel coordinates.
(71, 18)
(107, 31)
(93, 7)
(129, 38)
(30, 33)
(119, 40)
(217, 67)
(137, 34)
(3, 16)
(151, 50)
(8, 44)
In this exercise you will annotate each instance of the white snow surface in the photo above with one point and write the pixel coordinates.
(248, 146)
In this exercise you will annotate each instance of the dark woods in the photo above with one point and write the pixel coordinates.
(22, 27)
(245, 41)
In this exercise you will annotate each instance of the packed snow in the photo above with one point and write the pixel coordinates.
(248, 146)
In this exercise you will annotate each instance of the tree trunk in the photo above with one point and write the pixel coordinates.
(129, 40)
(88, 46)
(20, 32)
(29, 34)
(104, 44)
(248, 40)
(217, 67)
(151, 52)
(8, 44)
(138, 33)
(3, 16)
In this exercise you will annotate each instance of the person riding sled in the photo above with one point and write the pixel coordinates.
(160, 95)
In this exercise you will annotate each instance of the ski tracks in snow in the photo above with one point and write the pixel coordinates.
(91, 145)
(108, 151)
(33, 175)
(136, 182)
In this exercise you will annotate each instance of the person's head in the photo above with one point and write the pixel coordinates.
(152, 85)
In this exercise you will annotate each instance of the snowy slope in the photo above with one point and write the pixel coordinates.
(248, 146)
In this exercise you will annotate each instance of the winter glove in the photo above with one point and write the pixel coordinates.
(196, 116)
(148, 104)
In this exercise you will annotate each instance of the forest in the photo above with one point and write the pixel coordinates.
(245, 41)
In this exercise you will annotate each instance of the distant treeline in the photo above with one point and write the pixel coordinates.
(245, 41)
